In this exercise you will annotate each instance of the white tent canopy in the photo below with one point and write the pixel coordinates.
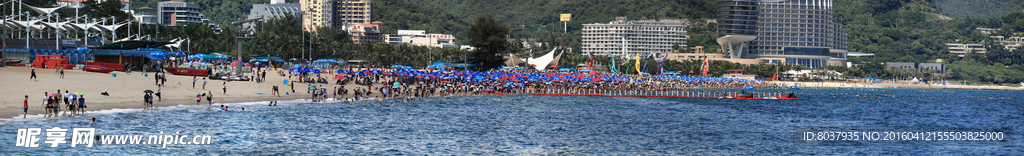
(42, 10)
(543, 61)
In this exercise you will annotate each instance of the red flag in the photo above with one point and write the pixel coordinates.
(704, 67)
(774, 76)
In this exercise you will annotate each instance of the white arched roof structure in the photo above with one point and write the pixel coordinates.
(544, 61)
(42, 10)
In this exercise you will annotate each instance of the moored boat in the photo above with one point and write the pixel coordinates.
(186, 71)
(98, 69)
(11, 62)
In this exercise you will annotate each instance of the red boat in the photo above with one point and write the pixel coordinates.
(186, 71)
(97, 69)
(111, 66)
(748, 98)
(11, 62)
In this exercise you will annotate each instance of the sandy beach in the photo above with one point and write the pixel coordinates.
(126, 91)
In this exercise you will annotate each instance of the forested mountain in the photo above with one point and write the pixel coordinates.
(402, 15)
(979, 8)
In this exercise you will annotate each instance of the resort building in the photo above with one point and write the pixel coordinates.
(938, 68)
(179, 12)
(145, 15)
(796, 32)
(334, 13)
(269, 11)
(421, 38)
(1011, 43)
(272, 11)
(987, 31)
(859, 54)
(366, 32)
(962, 49)
(621, 37)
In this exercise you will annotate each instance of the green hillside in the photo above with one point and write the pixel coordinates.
(979, 8)
(401, 15)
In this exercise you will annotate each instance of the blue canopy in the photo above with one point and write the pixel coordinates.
(156, 57)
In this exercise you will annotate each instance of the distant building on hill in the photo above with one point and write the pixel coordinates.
(963, 49)
(621, 37)
(938, 68)
(421, 38)
(366, 32)
(179, 12)
(271, 11)
(334, 13)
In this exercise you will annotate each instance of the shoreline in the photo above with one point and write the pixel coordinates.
(125, 91)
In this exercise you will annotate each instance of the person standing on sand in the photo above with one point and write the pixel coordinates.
(209, 98)
(81, 104)
(193, 81)
(225, 85)
(61, 73)
(156, 79)
(145, 101)
(198, 98)
(204, 82)
(33, 74)
(25, 107)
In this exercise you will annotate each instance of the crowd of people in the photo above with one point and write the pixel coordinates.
(73, 104)
(390, 84)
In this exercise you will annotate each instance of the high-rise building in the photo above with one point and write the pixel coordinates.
(179, 12)
(796, 32)
(334, 13)
(623, 37)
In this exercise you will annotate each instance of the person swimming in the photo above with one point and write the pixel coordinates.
(93, 121)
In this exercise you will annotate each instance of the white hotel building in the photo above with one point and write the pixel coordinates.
(622, 37)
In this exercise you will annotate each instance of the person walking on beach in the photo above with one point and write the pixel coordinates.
(61, 73)
(225, 85)
(194, 81)
(33, 75)
(204, 82)
(158, 89)
(24, 107)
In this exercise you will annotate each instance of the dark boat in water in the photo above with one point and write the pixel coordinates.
(186, 71)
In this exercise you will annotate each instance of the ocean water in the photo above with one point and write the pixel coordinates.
(527, 124)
